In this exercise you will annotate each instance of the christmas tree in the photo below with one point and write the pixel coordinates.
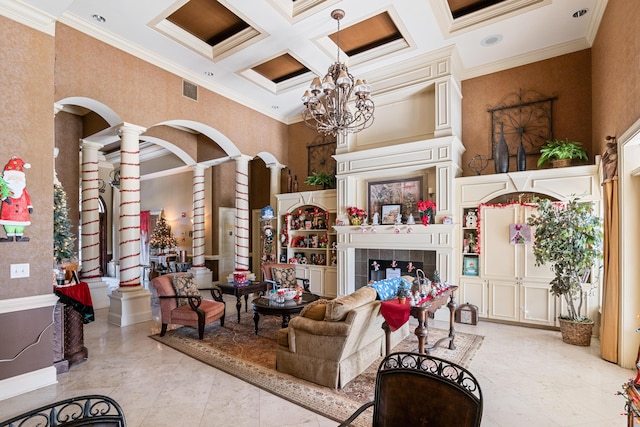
(161, 238)
(63, 240)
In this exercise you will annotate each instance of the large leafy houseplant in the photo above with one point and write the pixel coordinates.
(568, 236)
(558, 149)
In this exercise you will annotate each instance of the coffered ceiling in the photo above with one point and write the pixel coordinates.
(264, 53)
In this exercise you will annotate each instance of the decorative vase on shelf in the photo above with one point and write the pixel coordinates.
(521, 158)
(355, 220)
(501, 156)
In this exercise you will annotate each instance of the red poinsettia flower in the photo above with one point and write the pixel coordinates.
(425, 205)
(355, 212)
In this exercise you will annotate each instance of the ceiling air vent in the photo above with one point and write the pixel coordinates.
(189, 90)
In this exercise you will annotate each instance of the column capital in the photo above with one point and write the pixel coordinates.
(199, 167)
(130, 128)
(90, 145)
(276, 166)
(242, 158)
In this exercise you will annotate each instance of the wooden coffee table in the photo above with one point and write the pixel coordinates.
(242, 290)
(285, 309)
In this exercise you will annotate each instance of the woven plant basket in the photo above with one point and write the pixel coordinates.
(576, 333)
(561, 163)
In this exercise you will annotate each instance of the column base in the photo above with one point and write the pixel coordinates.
(202, 276)
(129, 306)
(99, 294)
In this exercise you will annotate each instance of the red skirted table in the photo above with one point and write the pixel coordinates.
(78, 310)
(396, 315)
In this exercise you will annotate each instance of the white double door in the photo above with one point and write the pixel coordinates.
(517, 289)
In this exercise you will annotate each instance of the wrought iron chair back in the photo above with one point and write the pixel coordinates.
(421, 390)
(90, 410)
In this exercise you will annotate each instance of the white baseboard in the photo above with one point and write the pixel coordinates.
(27, 382)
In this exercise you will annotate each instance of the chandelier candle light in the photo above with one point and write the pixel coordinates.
(326, 102)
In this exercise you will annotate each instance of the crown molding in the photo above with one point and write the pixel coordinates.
(517, 61)
(29, 16)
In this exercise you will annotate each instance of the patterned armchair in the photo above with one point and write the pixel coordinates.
(283, 275)
(182, 304)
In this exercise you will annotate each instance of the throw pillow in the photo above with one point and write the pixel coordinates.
(285, 277)
(185, 285)
(315, 310)
(387, 288)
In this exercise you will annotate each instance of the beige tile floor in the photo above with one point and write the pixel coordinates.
(528, 378)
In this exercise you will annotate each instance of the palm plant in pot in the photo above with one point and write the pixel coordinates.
(568, 236)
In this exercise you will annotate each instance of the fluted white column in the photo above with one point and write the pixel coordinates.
(130, 205)
(198, 217)
(90, 216)
(242, 213)
(130, 303)
(275, 182)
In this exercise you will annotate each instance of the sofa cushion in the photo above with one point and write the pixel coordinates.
(338, 308)
(387, 288)
(285, 277)
(185, 285)
(315, 310)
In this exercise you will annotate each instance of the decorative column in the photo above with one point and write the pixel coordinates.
(201, 273)
(242, 213)
(274, 183)
(130, 303)
(90, 251)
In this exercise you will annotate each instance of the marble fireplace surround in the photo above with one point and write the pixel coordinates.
(356, 168)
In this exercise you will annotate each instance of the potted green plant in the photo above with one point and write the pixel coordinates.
(568, 236)
(402, 293)
(321, 179)
(560, 152)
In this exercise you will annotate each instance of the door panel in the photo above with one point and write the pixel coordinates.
(497, 253)
(538, 304)
(504, 300)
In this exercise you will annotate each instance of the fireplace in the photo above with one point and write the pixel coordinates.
(437, 161)
(391, 263)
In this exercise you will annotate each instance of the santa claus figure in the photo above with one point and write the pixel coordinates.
(16, 209)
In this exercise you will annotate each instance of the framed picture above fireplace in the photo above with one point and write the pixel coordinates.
(406, 192)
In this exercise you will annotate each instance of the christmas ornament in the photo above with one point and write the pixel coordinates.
(16, 211)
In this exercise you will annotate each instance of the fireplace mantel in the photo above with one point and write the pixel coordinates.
(439, 160)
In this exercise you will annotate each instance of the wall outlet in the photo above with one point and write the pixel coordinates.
(19, 271)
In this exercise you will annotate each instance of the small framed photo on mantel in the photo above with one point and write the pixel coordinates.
(390, 213)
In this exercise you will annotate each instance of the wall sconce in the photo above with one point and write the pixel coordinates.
(431, 192)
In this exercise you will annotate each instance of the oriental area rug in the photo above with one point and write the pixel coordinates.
(236, 350)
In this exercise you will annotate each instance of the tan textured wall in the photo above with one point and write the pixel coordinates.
(616, 71)
(145, 95)
(299, 136)
(568, 77)
(26, 130)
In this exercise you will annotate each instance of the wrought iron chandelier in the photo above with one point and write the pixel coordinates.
(326, 103)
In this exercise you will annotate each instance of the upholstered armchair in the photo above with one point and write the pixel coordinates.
(283, 275)
(182, 304)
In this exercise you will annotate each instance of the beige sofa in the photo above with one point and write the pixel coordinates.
(334, 346)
